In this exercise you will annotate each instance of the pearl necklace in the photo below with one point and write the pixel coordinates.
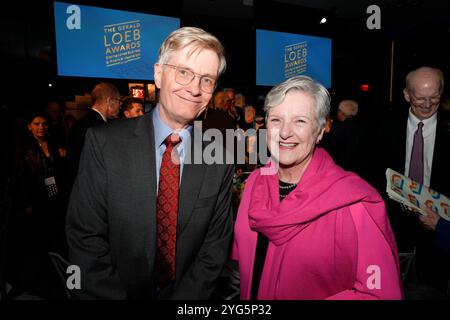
(290, 186)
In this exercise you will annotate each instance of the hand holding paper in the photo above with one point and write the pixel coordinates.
(415, 195)
(430, 220)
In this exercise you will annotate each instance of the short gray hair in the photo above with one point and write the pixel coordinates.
(349, 108)
(103, 91)
(187, 36)
(306, 85)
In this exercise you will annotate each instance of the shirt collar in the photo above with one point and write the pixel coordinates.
(162, 130)
(101, 114)
(414, 121)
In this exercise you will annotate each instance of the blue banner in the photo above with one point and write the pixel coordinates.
(107, 43)
(280, 56)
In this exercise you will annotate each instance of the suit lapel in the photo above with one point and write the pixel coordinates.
(191, 182)
(95, 118)
(144, 159)
(437, 144)
(400, 143)
(440, 154)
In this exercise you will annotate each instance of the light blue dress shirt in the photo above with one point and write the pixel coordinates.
(162, 130)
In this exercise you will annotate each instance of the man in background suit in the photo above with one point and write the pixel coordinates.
(132, 108)
(113, 223)
(424, 87)
(347, 139)
(105, 105)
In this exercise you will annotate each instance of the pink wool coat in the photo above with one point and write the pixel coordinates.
(330, 238)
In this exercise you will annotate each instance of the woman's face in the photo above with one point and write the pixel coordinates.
(38, 127)
(292, 129)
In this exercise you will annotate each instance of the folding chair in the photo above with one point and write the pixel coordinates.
(407, 265)
(228, 286)
(61, 265)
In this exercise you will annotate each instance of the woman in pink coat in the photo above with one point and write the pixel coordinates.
(307, 229)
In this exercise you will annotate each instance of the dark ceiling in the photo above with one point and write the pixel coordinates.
(420, 29)
(399, 13)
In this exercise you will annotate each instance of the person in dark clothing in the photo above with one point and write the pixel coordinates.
(422, 118)
(441, 227)
(55, 115)
(346, 140)
(39, 220)
(105, 105)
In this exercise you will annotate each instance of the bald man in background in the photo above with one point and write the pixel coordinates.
(105, 106)
(423, 92)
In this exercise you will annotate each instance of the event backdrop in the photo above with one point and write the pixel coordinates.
(281, 55)
(107, 43)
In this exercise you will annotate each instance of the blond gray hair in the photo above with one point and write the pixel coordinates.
(199, 38)
(349, 108)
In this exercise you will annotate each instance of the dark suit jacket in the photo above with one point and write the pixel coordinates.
(395, 141)
(76, 142)
(345, 143)
(217, 119)
(432, 264)
(442, 238)
(111, 225)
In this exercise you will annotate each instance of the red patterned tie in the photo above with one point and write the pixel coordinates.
(167, 211)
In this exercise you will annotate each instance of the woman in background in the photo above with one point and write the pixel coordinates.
(40, 219)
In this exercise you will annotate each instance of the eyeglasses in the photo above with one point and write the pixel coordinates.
(185, 76)
(422, 100)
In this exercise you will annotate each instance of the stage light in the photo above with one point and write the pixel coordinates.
(323, 20)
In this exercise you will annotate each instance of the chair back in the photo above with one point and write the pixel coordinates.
(60, 264)
(407, 265)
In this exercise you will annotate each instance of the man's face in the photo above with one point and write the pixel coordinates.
(136, 111)
(230, 95)
(239, 101)
(424, 96)
(54, 111)
(229, 100)
(219, 100)
(181, 104)
(249, 114)
(341, 116)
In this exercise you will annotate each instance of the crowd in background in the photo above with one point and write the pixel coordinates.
(48, 143)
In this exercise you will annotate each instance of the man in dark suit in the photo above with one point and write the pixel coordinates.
(114, 226)
(424, 87)
(55, 113)
(105, 105)
(347, 138)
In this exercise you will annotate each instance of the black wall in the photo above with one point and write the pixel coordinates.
(359, 55)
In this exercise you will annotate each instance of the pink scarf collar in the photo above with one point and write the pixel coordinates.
(323, 187)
